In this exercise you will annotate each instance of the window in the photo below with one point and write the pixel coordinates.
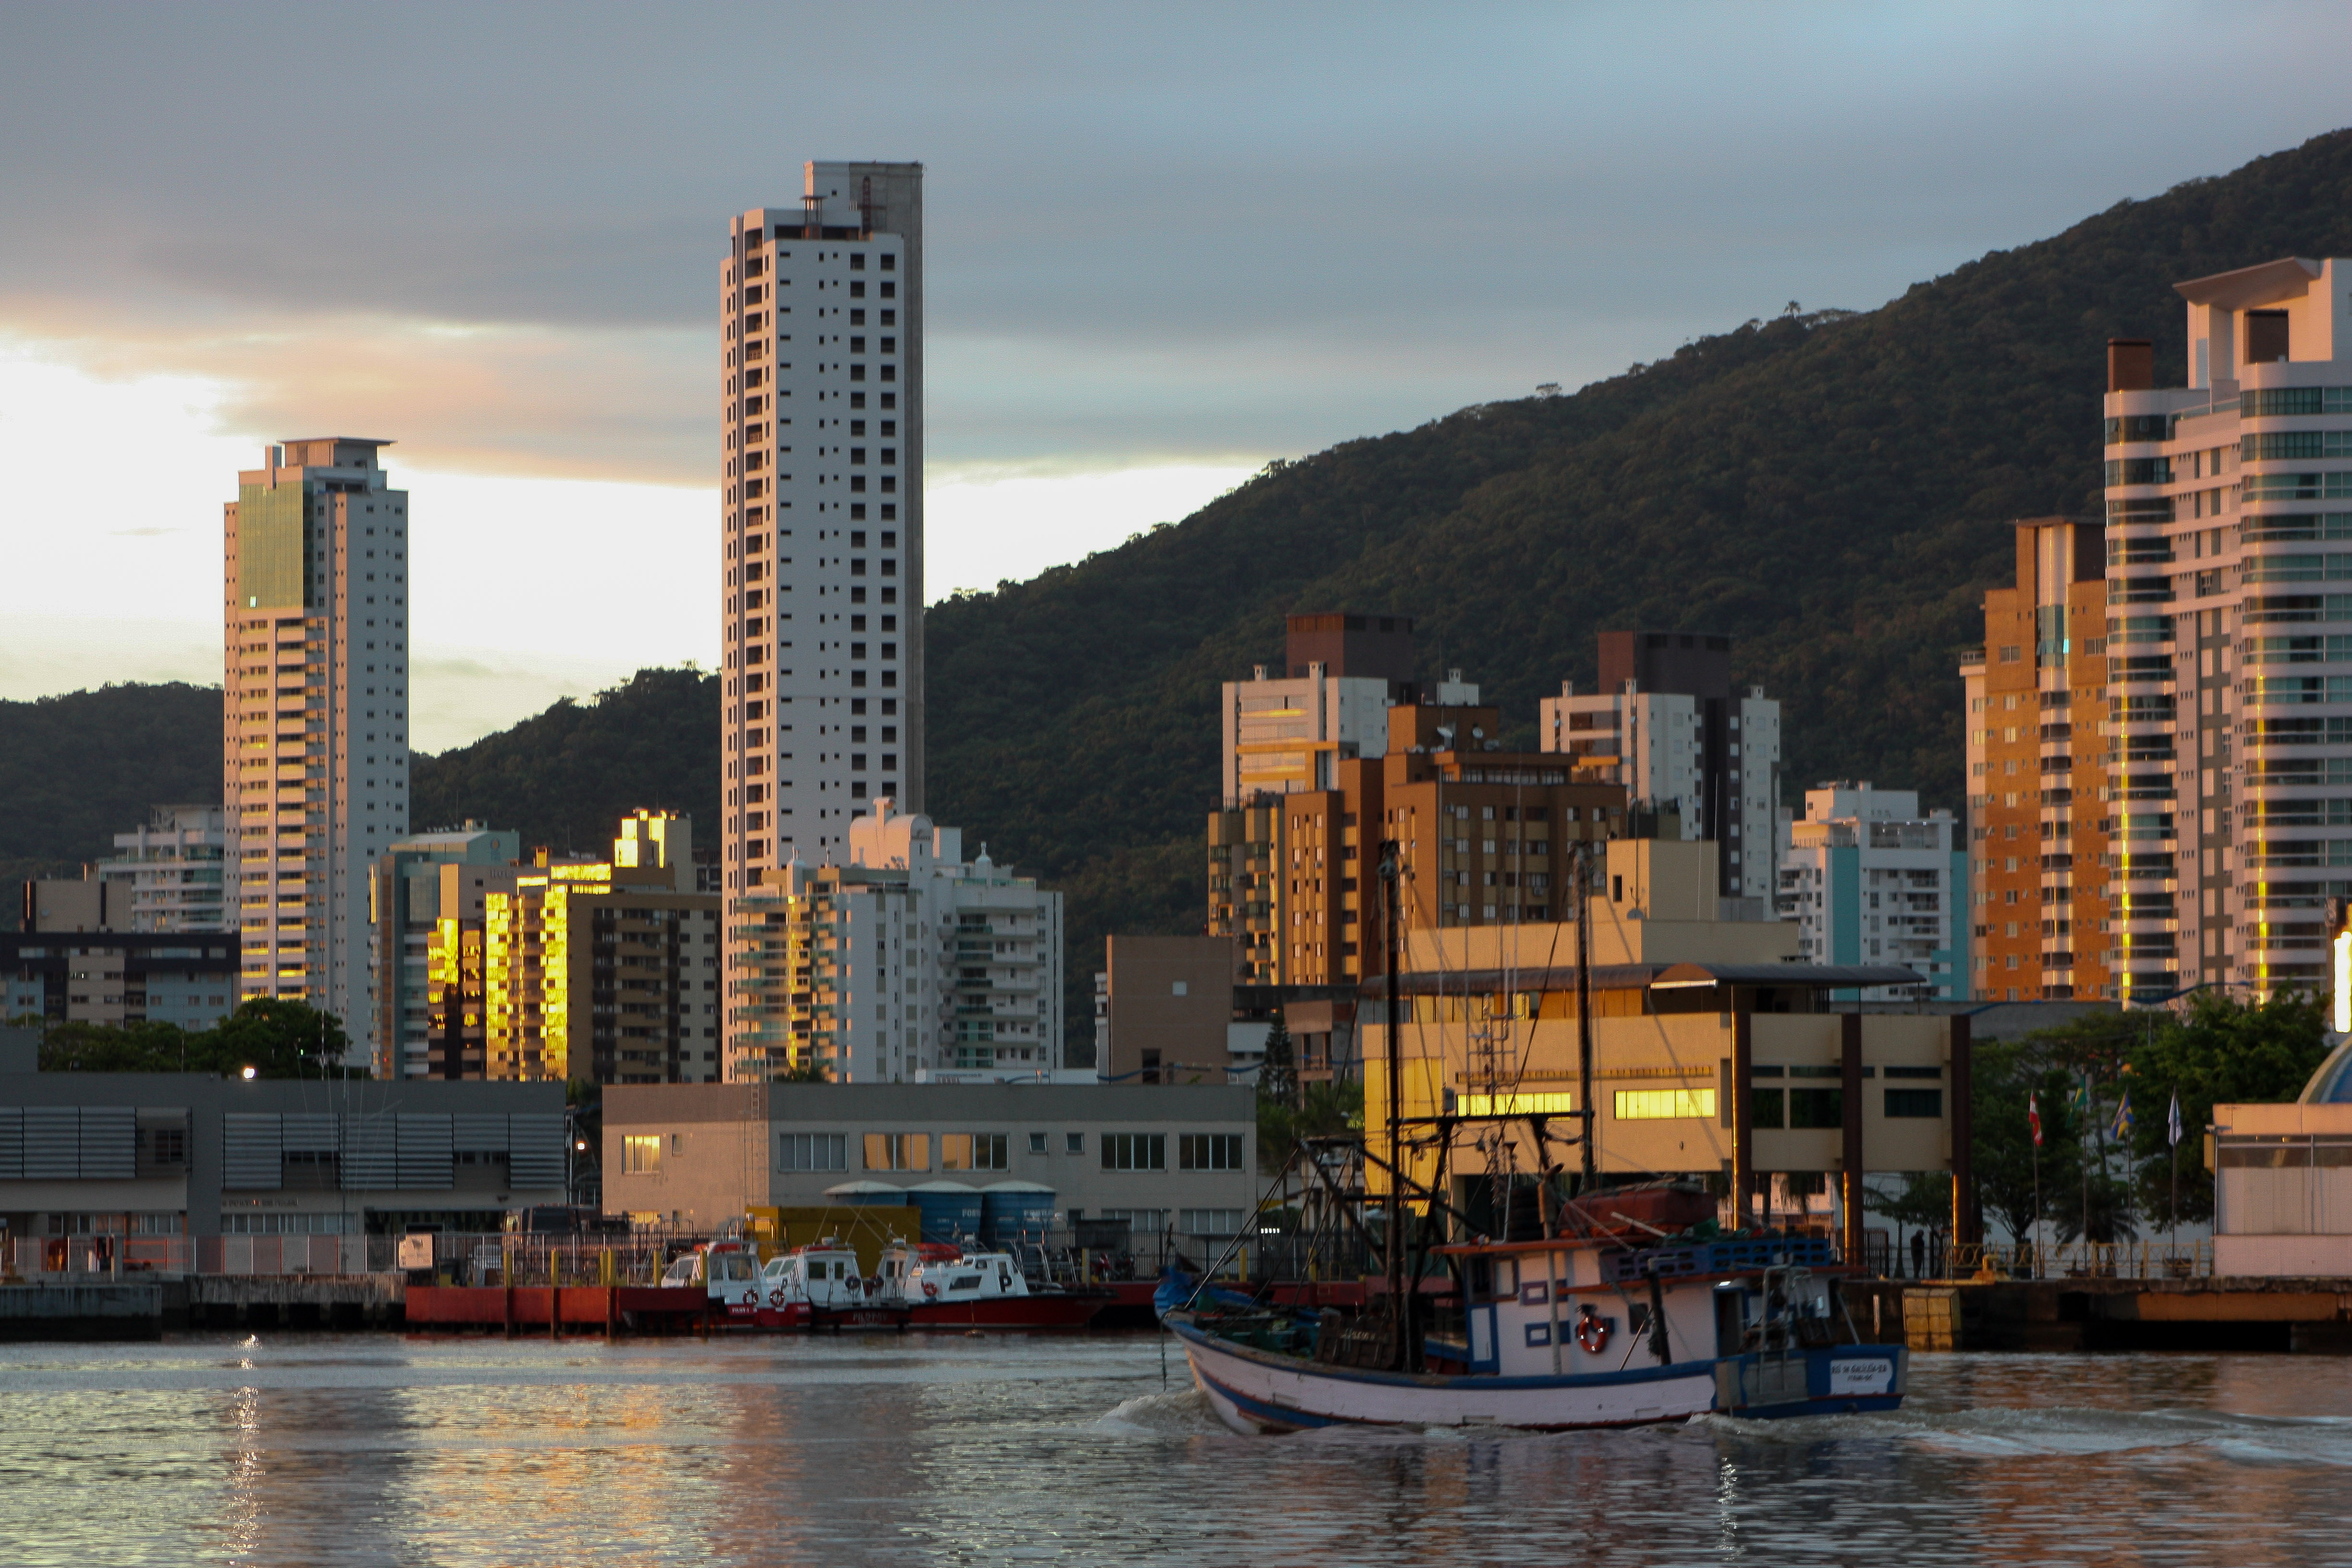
(1075, 1143)
(974, 1152)
(1768, 1107)
(1926, 1102)
(641, 1156)
(1209, 1152)
(1517, 1103)
(1036, 1142)
(811, 1151)
(1817, 1108)
(1134, 1150)
(898, 1150)
(1664, 1104)
(1140, 1221)
(1210, 1221)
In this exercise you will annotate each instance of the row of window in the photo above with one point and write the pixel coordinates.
(642, 1154)
(1825, 1108)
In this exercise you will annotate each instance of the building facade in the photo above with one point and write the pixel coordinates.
(1168, 1009)
(1485, 836)
(1162, 1157)
(422, 882)
(186, 978)
(2041, 806)
(821, 381)
(903, 960)
(314, 739)
(1869, 880)
(1666, 724)
(1340, 674)
(2230, 527)
(168, 874)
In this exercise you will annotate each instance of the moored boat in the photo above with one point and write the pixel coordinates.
(943, 1288)
(820, 1286)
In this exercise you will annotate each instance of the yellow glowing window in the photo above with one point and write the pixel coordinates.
(1664, 1104)
(1515, 1104)
(641, 1156)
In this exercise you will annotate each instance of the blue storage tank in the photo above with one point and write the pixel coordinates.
(865, 1193)
(950, 1210)
(1009, 1210)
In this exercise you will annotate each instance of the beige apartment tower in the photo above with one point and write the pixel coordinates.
(314, 743)
(821, 500)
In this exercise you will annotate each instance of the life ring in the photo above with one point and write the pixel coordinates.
(1591, 1331)
(930, 1288)
(775, 1298)
(751, 1298)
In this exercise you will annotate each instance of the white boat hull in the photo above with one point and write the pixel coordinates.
(1257, 1391)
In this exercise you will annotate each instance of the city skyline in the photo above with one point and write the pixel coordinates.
(534, 326)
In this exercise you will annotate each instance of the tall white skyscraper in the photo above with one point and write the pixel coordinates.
(314, 743)
(821, 311)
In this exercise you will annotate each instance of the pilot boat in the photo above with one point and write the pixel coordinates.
(819, 1287)
(729, 1270)
(945, 1288)
(1560, 1333)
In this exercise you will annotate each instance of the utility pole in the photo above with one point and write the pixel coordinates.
(1389, 891)
(1584, 1106)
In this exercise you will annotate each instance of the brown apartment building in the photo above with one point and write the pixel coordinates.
(2037, 747)
(1486, 837)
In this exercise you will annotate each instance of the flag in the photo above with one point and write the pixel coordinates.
(2033, 1117)
(2081, 1103)
(2172, 1121)
(2124, 1117)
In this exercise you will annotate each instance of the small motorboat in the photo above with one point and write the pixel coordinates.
(946, 1288)
(729, 1270)
(819, 1287)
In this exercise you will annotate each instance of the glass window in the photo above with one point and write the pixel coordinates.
(1036, 1142)
(812, 1151)
(1817, 1108)
(641, 1155)
(1664, 1104)
(1927, 1102)
(1075, 1142)
(1134, 1150)
(1209, 1152)
(898, 1150)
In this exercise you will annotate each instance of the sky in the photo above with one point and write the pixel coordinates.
(1165, 244)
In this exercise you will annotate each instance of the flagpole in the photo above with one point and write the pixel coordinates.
(2036, 1113)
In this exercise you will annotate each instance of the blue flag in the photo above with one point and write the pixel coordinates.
(2172, 1121)
(2124, 1117)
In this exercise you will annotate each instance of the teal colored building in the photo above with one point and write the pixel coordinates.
(1869, 880)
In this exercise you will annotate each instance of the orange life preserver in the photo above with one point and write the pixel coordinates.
(930, 1288)
(775, 1298)
(1591, 1331)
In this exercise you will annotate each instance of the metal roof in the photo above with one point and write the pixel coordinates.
(1642, 976)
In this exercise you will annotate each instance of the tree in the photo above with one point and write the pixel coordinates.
(2217, 1052)
(275, 1039)
(1325, 1109)
(1277, 1079)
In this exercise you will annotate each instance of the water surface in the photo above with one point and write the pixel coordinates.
(292, 1449)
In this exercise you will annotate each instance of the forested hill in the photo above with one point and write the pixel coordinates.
(1833, 491)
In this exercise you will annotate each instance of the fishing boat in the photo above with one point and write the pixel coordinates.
(942, 1286)
(1556, 1334)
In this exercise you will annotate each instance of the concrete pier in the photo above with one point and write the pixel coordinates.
(91, 1309)
(2311, 1316)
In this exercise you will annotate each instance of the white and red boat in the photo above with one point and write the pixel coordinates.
(819, 1287)
(945, 1288)
(729, 1270)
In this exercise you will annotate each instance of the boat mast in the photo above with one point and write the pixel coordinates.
(1395, 1246)
(1584, 1107)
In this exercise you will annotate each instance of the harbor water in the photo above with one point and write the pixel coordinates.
(358, 1449)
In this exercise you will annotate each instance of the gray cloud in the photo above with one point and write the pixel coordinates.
(1152, 230)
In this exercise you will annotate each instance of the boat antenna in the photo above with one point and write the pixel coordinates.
(1395, 1248)
(1584, 1108)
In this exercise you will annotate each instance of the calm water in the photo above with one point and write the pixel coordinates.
(363, 1449)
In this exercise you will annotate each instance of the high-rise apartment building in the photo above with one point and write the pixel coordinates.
(425, 884)
(821, 382)
(1870, 880)
(2038, 745)
(1665, 723)
(314, 741)
(1342, 674)
(2230, 652)
(168, 874)
(901, 961)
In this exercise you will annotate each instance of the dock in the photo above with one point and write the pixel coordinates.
(2310, 1316)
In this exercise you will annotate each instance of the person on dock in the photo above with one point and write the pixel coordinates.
(1918, 1255)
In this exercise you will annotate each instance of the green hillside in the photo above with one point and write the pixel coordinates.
(1833, 491)
(76, 769)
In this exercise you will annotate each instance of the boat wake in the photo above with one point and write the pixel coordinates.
(2008, 1433)
(1176, 1413)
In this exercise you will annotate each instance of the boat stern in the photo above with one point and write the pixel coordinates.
(1831, 1379)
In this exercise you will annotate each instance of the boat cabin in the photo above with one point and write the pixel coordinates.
(973, 1276)
(823, 1274)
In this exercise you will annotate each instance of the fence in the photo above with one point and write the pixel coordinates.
(2191, 1259)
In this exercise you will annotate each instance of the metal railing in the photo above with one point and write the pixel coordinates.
(2190, 1259)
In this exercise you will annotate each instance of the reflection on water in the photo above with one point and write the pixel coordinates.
(299, 1449)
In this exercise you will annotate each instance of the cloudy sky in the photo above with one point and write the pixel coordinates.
(1166, 243)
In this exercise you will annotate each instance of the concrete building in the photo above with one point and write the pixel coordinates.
(168, 874)
(822, 495)
(903, 960)
(1868, 879)
(143, 1155)
(2229, 529)
(314, 741)
(1342, 673)
(2038, 729)
(1169, 1010)
(186, 978)
(84, 903)
(2283, 1180)
(1294, 878)
(603, 971)
(1715, 1052)
(423, 882)
(1165, 1157)
(1665, 723)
